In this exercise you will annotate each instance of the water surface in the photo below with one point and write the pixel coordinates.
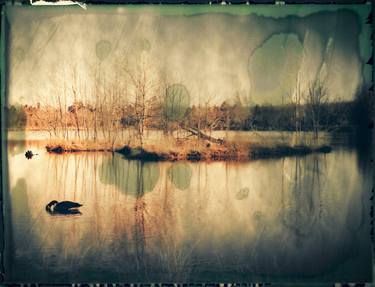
(294, 219)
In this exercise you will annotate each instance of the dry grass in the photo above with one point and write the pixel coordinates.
(188, 149)
(81, 146)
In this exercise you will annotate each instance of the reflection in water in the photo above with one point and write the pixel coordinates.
(16, 147)
(130, 176)
(301, 188)
(72, 212)
(265, 220)
(180, 175)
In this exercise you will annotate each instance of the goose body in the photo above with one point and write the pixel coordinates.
(63, 207)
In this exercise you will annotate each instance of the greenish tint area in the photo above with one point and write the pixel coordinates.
(277, 11)
(6, 243)
(142, 45)
(180, 175)
(266, 10)
(132, 177)
(143, 28)
(2, 105)
(20, 206)
(18, 147)
(135, 151)
(103, 48)
(18, 231)
(16, 118)
(242, 193)
(276, 64)
(19, 54)
(365, 50)
(176, 102)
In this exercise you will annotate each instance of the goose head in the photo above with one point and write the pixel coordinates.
(50, 205)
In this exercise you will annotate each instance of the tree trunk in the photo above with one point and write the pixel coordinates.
(202, 135)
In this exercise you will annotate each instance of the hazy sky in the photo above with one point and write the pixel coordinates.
(234, 53)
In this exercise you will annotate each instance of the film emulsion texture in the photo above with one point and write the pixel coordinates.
(188, 144)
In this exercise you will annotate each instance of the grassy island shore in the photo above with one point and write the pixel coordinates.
(191, 151)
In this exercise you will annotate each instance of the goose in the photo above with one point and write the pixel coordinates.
(63, 207)
(29, 154)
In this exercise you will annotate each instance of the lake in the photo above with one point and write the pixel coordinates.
(294, 219)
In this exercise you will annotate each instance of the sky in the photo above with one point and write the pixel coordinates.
(236, 53)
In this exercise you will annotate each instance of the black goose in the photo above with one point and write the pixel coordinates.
(63, 207)
(29, 154)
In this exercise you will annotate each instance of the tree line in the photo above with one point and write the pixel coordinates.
(333, 116)
(136, 96)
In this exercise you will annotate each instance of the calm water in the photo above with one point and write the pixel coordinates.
(294, 219)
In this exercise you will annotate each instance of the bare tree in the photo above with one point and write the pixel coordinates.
(315, 99)
(144, 85)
